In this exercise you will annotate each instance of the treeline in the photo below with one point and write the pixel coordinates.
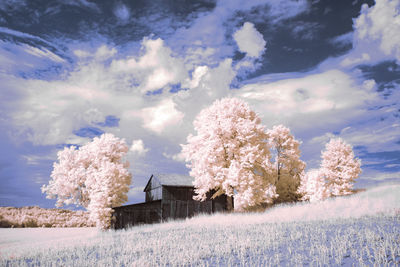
(39, 217)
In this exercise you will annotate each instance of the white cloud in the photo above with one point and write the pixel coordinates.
(380, 176)
(155, 69)
(207, 85)
(24, 58)
(89, 93)
(161, 116)
(322, 139)
(249, 40)
(381, 137)
(329, 91)
(138, 147)
(83, 3)
(197, 75)
(24, 36)
(204, 40)
(81, 53)
(281, 10)
(377, 33)
(44, 53)
(179, 157)
(343, 40)
(33, 159)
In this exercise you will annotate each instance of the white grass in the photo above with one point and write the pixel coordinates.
(360, 230)
(18, 241)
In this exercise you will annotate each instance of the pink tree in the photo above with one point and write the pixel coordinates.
(288, 167)
(339, 167)
(230, 154)
(313, 186)
(93, 176)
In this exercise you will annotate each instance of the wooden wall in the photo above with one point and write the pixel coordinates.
(142, 213)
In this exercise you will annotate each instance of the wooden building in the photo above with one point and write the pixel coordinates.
(167, 196)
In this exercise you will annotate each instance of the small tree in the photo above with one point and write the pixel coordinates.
(230, 154)
(288, 168)
(313, 187)
(93, 176)
(339, 167)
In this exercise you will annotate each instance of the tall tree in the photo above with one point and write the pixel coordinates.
(287, 163)
(230, 154)
(93, 176)
(339, 167)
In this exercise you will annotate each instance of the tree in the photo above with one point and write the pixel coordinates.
(93, 176)
(313, 187)
(230, 154)
(287, 164)
(339, 167)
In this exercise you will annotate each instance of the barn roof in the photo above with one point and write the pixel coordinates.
(175, 179)
(172, 180)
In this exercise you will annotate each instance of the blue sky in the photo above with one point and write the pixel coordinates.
(142, 70)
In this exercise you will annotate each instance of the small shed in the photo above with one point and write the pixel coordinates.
(167, 196)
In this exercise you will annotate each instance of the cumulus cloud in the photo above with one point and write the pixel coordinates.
(207, 84)
(85, 96)
(161, 116)
(138, 147)
(377, 33)
(249, 40)
(155, 69)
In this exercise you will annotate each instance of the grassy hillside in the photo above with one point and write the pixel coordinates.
(363, 229)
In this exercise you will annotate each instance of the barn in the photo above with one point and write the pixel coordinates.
(167, 196)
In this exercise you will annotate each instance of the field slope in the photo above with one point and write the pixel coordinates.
(363, 229)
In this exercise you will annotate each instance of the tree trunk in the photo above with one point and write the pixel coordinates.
(229, 203)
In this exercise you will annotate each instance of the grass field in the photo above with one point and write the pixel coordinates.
(361, 230)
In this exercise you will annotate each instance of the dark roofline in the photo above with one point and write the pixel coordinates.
(185, 186)
(148, 182)
(170, 185)
(137, 204)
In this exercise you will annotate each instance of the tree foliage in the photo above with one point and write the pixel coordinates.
(93, 176)
(288, 167)
(336, 175)
(230, 154)
(339, 167)
(313, 186)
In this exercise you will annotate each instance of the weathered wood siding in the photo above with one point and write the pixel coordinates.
(153, 190)
(178, 193)
(179, 209)
(142, 213)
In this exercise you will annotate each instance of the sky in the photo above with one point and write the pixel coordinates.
(71, 70)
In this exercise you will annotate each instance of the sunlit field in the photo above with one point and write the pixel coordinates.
(360, 230)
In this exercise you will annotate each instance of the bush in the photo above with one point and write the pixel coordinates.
(39, 217)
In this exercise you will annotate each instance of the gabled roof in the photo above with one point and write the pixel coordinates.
(171, 180)
(175, 179)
